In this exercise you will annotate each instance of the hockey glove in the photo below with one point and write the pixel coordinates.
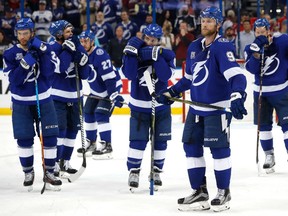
(75, 40)
(164, 95)
(237, 104)
(37, 44)
(259, 43)
(69, 45)
(80, 58)
(149, 53)
(29, 60)
(133, 45)
(117, 99)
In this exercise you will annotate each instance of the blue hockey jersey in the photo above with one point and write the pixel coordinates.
(64, 82)
(103, 79)
(275, 79)
(22, 82)
(133, 69)
(212, 74)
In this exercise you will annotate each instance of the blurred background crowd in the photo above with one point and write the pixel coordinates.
(114, 22)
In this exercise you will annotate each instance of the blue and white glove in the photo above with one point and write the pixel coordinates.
(237, 104)
(69, 46)
(117, 99)
(149, 53)
(133, 45)
(164, 95)
(80, 58)
(259, 43)
(29, 60)
(37, 44)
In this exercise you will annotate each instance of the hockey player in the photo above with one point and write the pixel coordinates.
(141, 55)
(29, 66)
(274, 83)
(64, 90)
(213, 77)
(105, 85)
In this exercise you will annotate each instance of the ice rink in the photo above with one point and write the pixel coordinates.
(102, 189)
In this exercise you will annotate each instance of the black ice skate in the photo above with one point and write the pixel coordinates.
(52, 182)
(197, 201)
(156, 178)
(28, 181)
(89, 148)
(103, 152)
(133, 180)
(269, 164)
(65, 169)
(221, 201)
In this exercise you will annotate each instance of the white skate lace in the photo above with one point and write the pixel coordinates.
(29, 176)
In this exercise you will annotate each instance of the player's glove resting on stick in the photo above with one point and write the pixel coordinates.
(133, 45)
(29, 59)
(117, 99)
(164, 95)
(259, 43)
(36, 44)
(80, 58)
(149, 53)
(237, 104)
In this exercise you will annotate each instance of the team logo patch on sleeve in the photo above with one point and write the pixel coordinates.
(99, 52)
(223, 40)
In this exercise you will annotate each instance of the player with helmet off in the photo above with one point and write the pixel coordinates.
(30, 65)
(105, 85)
(266, 59)
(214, 78)
(142, 55)
(73, 58)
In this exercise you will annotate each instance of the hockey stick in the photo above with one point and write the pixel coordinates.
(100, 98)
(150, 82)
(200, 104)
(259, 112)
(39, 127)
(75, 176)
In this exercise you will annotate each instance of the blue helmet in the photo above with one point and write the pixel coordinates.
(24, 23)
(212, 12)
(87, 34)
(262, 22)
(153, 30)
(56, 29)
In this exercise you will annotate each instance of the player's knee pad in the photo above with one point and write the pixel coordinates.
(219, 153)
(71, 134)
(193, 150)
(104, 107)
(284, 128)
(160, 146)
(90, 105)
(102, 117)
(25, 143)
(50, 141)
(265, 127)
(138, 144)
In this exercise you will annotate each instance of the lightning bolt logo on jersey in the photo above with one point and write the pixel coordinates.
(275, 67)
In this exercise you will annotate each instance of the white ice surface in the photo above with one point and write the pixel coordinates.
(102, 189)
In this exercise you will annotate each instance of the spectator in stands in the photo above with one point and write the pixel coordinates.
(182, 41)
(42, 19)
(283, 29)
(139, 34)
(229, 34)
(245, 37)
(27, 11)
(83, 9)
(5, 43)
(111, 10)
(185, 17)
(142, 9)
(57, 10)
(72, 13)
(130, 28)
(102, 30)
(148, 21)
(168, 38)
(116, 46)
(8, 23)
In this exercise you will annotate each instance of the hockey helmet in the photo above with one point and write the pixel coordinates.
(212, 12)
(153, 30)
(24, 23)
(262, 22)
(87, 34)
(56, 29)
